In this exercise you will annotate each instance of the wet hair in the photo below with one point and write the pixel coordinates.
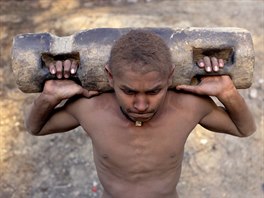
(140, 51)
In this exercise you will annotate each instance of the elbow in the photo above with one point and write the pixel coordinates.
(249, 131)
(32, 131)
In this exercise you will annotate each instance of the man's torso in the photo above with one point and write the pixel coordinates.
(136, 161)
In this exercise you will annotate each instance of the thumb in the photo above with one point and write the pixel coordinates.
(89, 94)
(189, 88)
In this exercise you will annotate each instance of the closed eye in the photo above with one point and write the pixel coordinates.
(129, 91)
(153, 92)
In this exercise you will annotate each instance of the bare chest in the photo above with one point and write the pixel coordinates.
(155, 147)
(140, 150)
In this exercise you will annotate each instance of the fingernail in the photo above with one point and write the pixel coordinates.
(59, 76)
(66, 76)
(215, 68)
(208, 69)
(53, 71)
(72, 71)
(201, 64)
(221, 64)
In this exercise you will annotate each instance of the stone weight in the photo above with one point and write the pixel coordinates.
(91, 48)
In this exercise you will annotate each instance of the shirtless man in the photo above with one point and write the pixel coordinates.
(138, 131)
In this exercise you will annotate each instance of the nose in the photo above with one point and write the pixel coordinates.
(141, 103)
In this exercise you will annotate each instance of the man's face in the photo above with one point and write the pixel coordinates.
(140, 95)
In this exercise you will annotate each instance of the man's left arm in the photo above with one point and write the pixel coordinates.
(235, 118)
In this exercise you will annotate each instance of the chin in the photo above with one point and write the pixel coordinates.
(141, 117)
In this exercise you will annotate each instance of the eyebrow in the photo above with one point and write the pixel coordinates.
(127, 88)
(133, 90)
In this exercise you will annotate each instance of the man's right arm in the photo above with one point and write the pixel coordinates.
(44, 116)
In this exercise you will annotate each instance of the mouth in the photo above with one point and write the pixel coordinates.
(134, 116)
(143, 117)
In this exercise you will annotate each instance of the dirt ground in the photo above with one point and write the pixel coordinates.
(62, 165)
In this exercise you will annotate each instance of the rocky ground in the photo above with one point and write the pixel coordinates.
(61, 165)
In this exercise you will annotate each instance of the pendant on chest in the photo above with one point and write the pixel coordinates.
(138, 123)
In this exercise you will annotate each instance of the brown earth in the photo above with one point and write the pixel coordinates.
(61, 165)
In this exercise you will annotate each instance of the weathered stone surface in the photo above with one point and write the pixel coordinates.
(93, 47)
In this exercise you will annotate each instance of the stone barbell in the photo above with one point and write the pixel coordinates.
(91, 48)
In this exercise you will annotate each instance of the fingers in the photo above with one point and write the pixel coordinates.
(211, 64)
(59, 69)
(221, 63)
(52, 68)
(208, 65)
(74, 67)
(67, 67)
(63, 69)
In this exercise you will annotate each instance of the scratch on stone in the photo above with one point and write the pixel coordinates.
(171, 37)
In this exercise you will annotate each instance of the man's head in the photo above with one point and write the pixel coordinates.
(140, 71)
(140, 51)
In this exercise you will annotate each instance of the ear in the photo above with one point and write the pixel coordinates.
(171, 75)
(109, 75)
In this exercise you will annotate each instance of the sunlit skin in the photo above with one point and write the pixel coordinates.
(132, 161)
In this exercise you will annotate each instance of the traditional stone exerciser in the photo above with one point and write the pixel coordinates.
(92, 48)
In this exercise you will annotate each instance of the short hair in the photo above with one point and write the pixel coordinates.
(140, 51)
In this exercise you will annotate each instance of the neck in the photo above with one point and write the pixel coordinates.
(137, 123)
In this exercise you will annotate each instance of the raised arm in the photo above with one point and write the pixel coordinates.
(44, 116)
(235, 118)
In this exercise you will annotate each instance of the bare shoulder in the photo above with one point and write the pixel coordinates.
(189, 101)
(100, 102)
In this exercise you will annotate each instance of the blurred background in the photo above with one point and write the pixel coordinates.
(61, 165)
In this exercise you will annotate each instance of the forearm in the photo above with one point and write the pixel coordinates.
(239, 112)
(40, 112)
